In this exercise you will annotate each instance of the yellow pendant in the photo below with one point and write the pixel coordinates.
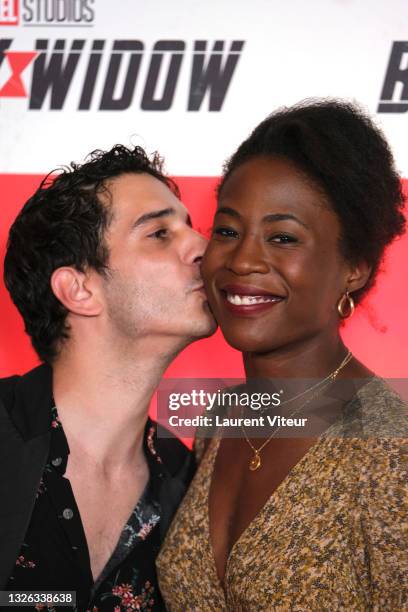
(255, 462)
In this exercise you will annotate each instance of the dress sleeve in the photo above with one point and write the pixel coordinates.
(385, 518)
(199, 447)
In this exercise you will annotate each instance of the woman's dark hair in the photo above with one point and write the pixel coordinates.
(64, 224)
(339, 148)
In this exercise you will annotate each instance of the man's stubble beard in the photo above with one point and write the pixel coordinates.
(145, 308)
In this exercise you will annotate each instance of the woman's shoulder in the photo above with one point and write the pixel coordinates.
(384, 412)
(380, 391)
(375, 411)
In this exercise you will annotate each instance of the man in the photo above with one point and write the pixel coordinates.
(103, 265)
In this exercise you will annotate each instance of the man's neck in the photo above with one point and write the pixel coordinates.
(103, 401)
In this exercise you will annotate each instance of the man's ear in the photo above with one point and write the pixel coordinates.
(76, 291)
(358, 276)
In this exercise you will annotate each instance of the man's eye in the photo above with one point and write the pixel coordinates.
(224, 232)
(160, 234)
(282, 239)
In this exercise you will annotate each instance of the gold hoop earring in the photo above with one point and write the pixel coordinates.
(345, 299)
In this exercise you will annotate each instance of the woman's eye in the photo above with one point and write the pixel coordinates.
(282, 239)
(160, 234)
(224, 232)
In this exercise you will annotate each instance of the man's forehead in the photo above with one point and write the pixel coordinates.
(140, 193)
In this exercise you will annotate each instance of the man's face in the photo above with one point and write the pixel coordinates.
(154, 285)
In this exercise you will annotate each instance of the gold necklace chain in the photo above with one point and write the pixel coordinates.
(315, 386)
(256, 462)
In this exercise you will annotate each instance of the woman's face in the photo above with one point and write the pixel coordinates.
(273, 270)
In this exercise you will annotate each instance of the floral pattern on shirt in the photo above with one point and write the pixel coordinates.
(23, 562)
(41, 488)
(150, 443)
(125, 598)
(55, 422)
(55, 530)
(141, 522)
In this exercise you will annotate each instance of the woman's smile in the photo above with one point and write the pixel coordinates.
(247, 300)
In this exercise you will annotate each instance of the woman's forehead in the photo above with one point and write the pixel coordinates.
(272, 182)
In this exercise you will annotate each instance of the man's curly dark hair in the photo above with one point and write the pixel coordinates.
(64, 224)
(337, 146)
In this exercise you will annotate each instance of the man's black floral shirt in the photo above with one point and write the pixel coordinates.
(54, 555)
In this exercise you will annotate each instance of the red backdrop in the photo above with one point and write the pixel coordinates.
(377, 333)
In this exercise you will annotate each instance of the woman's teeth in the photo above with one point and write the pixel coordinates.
(248, 300)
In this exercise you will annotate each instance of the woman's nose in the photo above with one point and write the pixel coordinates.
(247, 257)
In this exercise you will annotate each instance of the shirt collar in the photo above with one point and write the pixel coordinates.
(59, 448)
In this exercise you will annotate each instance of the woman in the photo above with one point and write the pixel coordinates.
(306, 207)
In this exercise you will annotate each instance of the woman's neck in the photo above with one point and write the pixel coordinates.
(311, 359)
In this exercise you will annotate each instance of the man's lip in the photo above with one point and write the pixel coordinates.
(236, 289)
(197, 287)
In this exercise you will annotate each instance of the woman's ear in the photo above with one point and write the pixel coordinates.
(358, 276)
(76, 291)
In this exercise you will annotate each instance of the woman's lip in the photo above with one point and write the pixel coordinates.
(236, 289)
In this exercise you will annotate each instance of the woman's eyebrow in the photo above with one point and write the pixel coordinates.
(270, 218)
(282, 217)
(226, 210)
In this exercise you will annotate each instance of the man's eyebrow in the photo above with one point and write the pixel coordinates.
(155, 214)
(158, 214)
(226, 210)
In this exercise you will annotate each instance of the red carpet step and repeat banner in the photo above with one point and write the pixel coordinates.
(191, 79)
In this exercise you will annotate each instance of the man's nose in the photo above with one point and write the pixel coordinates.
(196, 245)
